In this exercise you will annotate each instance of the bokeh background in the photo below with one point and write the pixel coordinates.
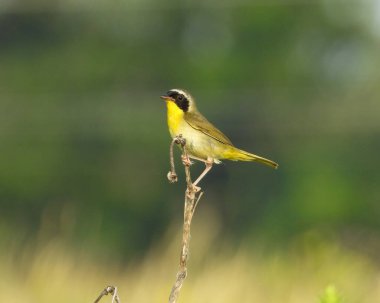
(84, 149)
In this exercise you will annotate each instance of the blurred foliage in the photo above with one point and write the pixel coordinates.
(54, 274)
(84, 142)
(330, 295)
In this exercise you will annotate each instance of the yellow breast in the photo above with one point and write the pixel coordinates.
(175, 117)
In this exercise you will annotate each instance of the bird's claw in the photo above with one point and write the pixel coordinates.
(195, 188)
(186, 160)
(192, 190)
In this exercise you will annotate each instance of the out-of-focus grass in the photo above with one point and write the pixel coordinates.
(331, 295)
(302, 273)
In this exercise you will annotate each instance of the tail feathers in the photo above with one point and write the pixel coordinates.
(241, 155)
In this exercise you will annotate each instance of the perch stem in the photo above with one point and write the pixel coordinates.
(191, 201)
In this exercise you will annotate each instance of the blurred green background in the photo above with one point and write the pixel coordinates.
(84, 141)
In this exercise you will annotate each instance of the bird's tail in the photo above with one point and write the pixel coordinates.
(241, 155)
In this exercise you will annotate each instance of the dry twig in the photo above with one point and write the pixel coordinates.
(109, 290)
(192, 197)
(191, 201)
(172, 176)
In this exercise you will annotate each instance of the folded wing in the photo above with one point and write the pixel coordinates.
(199, 122)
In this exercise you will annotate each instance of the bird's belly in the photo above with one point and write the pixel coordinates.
(198, 144)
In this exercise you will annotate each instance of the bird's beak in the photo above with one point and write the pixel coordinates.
(167, 98)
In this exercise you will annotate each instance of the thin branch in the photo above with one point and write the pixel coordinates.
(109, 290)
(191, 201)
(172, 176)
(192, 197)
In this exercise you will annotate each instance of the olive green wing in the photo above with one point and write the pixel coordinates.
(199, 122)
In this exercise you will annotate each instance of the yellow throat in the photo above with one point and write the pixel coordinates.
(175, 117)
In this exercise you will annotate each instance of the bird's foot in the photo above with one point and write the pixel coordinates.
(186, 160)
(195, 188)
(192, 190)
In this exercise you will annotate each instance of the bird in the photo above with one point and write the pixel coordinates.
(204, 142)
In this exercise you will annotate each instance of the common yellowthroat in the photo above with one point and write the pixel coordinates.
(204, 142)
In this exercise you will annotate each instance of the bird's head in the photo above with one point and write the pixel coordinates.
(181, 98)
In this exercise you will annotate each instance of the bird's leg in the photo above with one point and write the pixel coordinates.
(208, 163)
(198, 159)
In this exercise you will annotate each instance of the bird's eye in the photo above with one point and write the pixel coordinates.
(180, 97)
